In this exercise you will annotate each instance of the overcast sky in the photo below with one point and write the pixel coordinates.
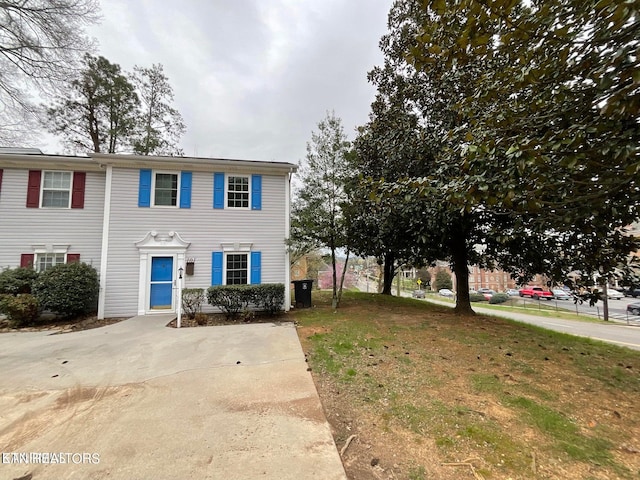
(252, 78)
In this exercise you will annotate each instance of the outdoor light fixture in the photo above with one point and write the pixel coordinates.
(180, 270)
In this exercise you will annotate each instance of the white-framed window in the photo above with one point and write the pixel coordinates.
(45, 261)
(237, 191)
(166, 189)
(56, 189)
(236, 269)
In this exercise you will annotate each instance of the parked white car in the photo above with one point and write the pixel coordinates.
(560, 294)
(445, 292)
(614, 294)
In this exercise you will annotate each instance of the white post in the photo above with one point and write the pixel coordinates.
(179, 302)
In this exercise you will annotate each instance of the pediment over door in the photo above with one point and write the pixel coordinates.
(154, 240)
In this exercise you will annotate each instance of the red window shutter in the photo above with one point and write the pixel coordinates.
(33, 189)
(0, 179)
(26, 260)
(73, 257)
(77, 195)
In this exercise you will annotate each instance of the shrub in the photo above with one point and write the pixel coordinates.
(499, 298)
(269, 297)
(230, 298)
(17, 280)
(70, 290)
(477, 297)
(192, 299)
(21, 309)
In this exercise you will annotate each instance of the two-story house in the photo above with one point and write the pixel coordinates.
(143, 222)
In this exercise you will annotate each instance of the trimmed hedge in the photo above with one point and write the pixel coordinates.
(69, 290)
(499, 298)
(21, 309)
(192, 299)
(234, 298)
(17, 280)
(477, 297)
(269, 297)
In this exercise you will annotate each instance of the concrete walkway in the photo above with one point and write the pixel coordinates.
(146, 401)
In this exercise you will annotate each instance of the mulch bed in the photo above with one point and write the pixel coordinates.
(56, 325)
(215, 319)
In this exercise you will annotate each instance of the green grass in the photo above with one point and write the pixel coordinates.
(420, 369)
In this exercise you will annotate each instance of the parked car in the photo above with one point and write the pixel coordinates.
(536, 293)
(486, 293)
(512, 292)
(445, 292)
(632, 292)
(560, 294)
(614, 294)
(634, 308)
(418, 294)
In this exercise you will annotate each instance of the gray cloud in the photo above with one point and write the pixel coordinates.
(252, 78)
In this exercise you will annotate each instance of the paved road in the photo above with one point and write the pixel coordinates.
(616, 333)
(617, 308)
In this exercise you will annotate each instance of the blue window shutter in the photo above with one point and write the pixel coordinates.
(218, 190)
(256, 192)
(216, 268)
(256, 268)
(144, 190)
(185, 189)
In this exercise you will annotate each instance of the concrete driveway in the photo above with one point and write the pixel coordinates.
(137, 400)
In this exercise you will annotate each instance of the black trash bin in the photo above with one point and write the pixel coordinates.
(302, 289)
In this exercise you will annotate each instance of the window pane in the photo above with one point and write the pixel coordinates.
(56, 189)
(166, 192)
(44, 261)
(238, 192)
(237, 269)
(59, 180)
(55, 198)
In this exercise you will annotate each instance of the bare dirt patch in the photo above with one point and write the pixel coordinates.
(431, 395)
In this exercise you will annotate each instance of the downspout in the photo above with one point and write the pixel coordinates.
(287, 227)
(104, 250)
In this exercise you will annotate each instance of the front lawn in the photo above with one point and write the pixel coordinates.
(419, 393)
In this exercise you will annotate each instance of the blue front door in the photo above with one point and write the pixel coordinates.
(161, 283)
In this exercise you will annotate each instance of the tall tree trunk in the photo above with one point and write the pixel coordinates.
(334, 298)
(461, 270)
(344, 271)
(387, 280)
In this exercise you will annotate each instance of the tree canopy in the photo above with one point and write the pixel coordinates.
(527, 126)
(317, 214)
(160, 125)
(548, 132)
(99, 113)
(108, 110)
(41, 45)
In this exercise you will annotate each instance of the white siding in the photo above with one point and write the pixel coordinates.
(201, 225)
(22, 227)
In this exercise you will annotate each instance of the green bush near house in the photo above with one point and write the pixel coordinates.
(69, 290)
(498, 298)
(267, 297)
(477, 297)
(14, 281)
(192, 299)
(230, 298)
(21, 309)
